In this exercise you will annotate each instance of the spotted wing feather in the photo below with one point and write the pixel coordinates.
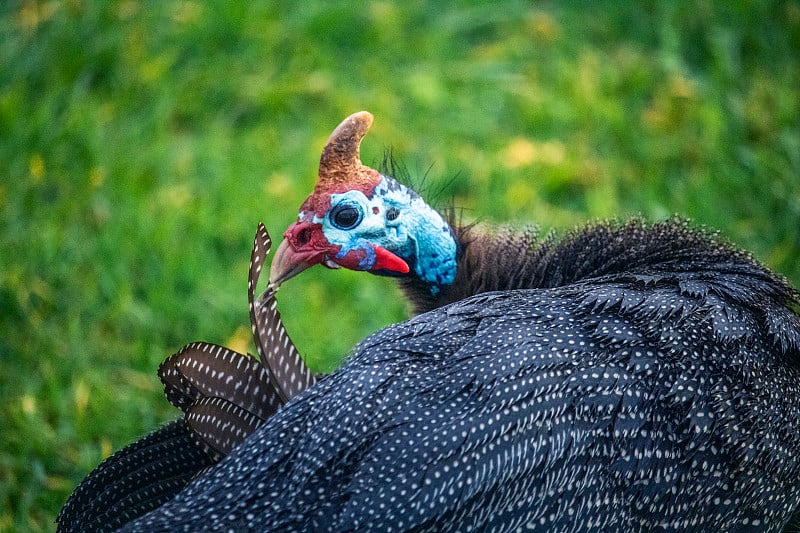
(219, 425)
(289, 374)
(284, 361)
(202, 370)
(261, 245)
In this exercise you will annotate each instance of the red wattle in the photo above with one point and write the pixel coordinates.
(386, 260)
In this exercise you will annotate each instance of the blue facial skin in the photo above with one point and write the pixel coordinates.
(397, 219)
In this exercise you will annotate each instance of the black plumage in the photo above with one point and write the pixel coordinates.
(651, 382)
(135, 480)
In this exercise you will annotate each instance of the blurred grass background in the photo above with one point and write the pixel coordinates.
(141, 142)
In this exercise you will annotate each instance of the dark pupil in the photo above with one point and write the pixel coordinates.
(345, 217)
(392, 213)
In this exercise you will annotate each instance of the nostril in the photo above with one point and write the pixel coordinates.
(303, 236)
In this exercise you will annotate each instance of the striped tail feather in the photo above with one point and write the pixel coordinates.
(135, 480)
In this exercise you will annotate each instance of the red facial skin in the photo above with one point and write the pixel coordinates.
(305, 245)
(309, 245)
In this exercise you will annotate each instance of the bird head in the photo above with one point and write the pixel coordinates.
(359, 219)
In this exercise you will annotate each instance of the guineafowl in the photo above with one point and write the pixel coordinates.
(225, 396)
(627, 377)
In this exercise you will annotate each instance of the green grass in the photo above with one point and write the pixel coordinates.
(141, 143)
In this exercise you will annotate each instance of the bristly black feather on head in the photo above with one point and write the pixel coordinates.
(435, 192)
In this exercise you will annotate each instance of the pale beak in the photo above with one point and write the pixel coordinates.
(288, 262)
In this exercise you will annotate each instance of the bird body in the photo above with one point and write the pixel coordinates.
(642, 399)
(627, 377)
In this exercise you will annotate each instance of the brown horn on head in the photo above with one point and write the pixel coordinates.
(340, 163)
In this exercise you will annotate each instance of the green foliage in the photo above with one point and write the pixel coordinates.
(142, 141)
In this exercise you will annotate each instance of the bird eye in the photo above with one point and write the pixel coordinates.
(345, 216)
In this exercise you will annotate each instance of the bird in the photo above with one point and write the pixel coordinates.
(628, 376)
(224, 395)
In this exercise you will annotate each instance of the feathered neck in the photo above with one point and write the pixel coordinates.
(504, 258)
